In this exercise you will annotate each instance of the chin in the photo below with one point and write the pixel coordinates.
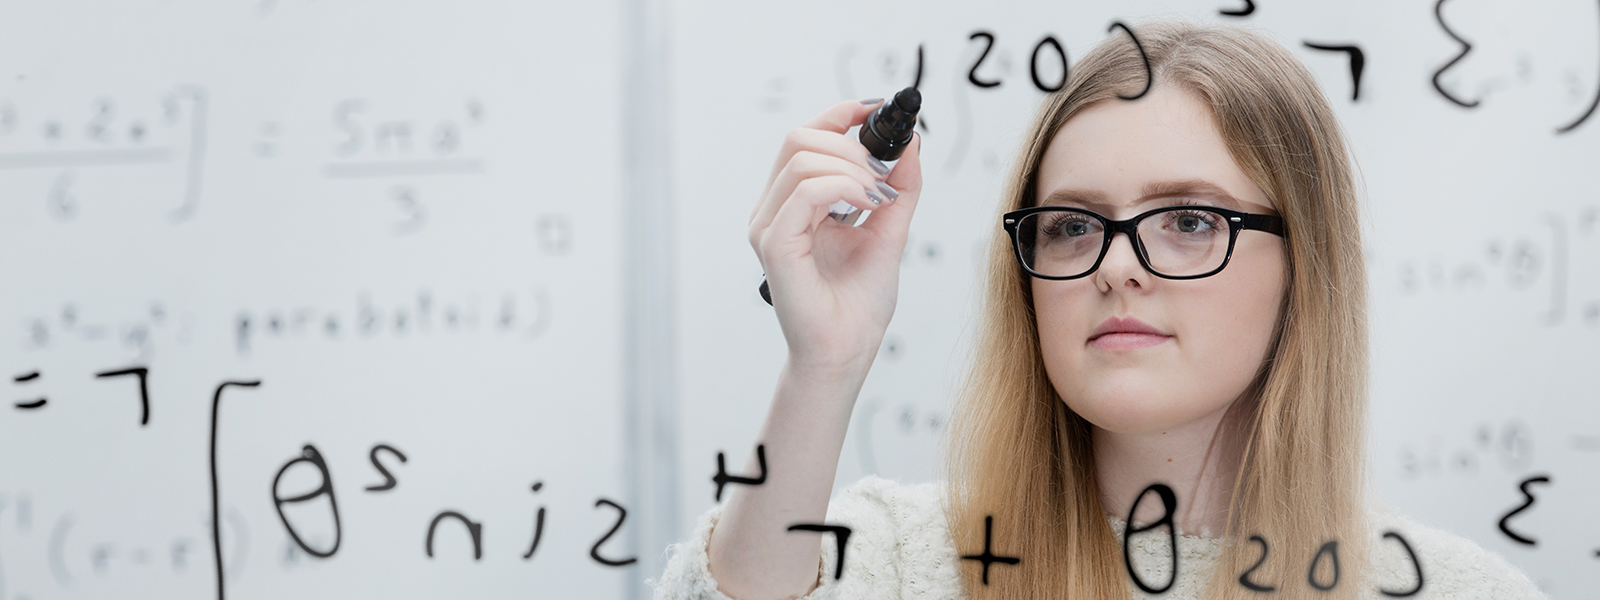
(1129, 411)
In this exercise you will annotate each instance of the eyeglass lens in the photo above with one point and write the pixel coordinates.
(1176, 243)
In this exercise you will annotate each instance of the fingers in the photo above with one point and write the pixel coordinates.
(791, 228)
(802, 139)
(806, 165)
(835, 121)
(893, 219)
(840, 117)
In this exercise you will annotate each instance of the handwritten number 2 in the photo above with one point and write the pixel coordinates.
(972, 74)
(1244, 578)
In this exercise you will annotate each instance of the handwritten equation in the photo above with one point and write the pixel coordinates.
(109, 134)
(1560, 266)
(992, 60)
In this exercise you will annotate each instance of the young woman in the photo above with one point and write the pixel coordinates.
(1176, 295)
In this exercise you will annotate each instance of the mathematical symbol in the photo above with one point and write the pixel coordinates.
(1358, 61)
(216, 494)
(1149, 76)
(1414, 565)
(1593, 104)
(722, 477)
(31, 405)
(988, 557)
(1249, 7)
(1438, 15)
(1504, 527)
(841, 534)
(594, 551)
(144, 389)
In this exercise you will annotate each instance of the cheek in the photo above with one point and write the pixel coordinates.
(1061, 336)
(1232, 321)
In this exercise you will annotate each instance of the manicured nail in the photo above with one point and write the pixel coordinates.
(874, 197)
(877, 166)
(871, 101)
(888, 191)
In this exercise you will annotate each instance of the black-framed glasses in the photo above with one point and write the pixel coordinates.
(1172, 242)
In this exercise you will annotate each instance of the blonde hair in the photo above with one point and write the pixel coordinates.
(1018, 453)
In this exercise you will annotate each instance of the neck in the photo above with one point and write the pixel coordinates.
(1198, 460)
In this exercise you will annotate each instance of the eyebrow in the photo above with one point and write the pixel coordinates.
(1151, 191)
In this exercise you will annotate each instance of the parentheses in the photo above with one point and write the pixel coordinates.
(197, 152)
(917, 82)
(1149, 74)
(1249, 8)
(841, 70)
(1438, 14)
(1593, 104)
(58, 549)
(542, 318)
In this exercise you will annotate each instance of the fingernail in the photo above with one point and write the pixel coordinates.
(888, 191)
(871, 101)
(877, 166)
(874, 197)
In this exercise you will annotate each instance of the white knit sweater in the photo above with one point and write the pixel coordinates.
(900, 547)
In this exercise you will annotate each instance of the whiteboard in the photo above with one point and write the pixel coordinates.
(1482, 229)
(508, 242)
(395, 216)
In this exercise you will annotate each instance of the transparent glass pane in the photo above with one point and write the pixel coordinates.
(1060, 244)
(1185, 242)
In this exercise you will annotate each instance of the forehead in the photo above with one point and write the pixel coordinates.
(1117, 155)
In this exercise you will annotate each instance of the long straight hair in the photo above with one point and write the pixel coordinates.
(1018, 454)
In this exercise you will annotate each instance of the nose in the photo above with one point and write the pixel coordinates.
(1121, 266)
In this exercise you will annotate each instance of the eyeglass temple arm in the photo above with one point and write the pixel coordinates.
(1267, 223)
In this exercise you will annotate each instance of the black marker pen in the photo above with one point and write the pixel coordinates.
(886, 134)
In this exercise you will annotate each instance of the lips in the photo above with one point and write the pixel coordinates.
(1128, 333)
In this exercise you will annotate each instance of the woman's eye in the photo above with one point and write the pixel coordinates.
(1193, 221)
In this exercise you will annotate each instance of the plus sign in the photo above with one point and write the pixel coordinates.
(988, 557)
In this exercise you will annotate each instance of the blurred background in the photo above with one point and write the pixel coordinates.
(422, 299)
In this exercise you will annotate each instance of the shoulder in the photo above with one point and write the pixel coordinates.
(901, 500)
(1451, 566)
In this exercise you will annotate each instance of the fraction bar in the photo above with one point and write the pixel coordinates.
(393, 168)
(84, 158)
